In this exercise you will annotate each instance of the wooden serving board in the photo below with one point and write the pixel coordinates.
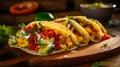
(89, 53)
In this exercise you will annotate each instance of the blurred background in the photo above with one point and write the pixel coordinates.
(59, 8)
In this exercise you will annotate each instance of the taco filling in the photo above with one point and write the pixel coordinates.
(91, 27)
(41, 39)
(72, 26)
(105, 35)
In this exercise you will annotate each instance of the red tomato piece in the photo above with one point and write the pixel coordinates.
(105, 36)
(29, 28)
(33, 46)
(33, 37)
(51, 33)
(57, 47)
(57, 36)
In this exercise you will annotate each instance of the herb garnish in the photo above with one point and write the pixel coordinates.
(104, 45)
(22, 25)
(69, 17)
(5, 31)
(98, 64)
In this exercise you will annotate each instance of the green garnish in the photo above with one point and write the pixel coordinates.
(104, 45)
(2, 32)
(69, 22)
(22, 25)
(44, 16)
(98, 64)
(45, 50)
(10, 41)
(5, 31)
(69, 17)
(96, 5)
(41, 25)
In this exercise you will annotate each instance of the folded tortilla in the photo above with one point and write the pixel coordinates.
(91, 27)
(101, 26)
(105, 34)
(43, 38)
(81, 34)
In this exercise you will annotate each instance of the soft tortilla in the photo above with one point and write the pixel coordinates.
(66, 32)
(83, 20)
(79, 28)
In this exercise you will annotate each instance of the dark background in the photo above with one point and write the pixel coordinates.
(53, 6)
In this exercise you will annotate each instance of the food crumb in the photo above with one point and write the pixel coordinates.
(73, 51)
(65, 56)
(105, 46)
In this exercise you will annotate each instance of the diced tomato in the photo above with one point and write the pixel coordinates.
(33, 46)
(57, 36)
(48, 33)
(58, 43)
(105, 36)
(30, 28)
(44, 33)
(36, 27)
(26, 29)
(57, 47)
(51, 33)
(33, 37)
(41, 34)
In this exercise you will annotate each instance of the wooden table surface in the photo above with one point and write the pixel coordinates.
(111, 61)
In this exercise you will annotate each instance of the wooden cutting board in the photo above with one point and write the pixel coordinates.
(91, 52)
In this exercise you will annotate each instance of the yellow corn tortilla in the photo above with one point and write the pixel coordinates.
(51, 25)
(82, 20)
(83, 33)
(101, 26)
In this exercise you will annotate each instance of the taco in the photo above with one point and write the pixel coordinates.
(91, 27)
(43, 38)
(105, 34)
(81, 34)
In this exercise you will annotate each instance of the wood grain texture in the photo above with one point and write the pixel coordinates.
(90, 53)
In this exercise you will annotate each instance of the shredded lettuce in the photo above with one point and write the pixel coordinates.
(5, 31)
